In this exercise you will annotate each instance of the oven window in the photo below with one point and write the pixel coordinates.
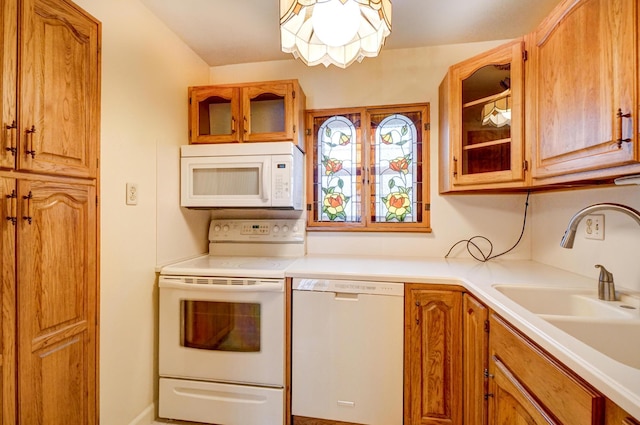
(220, 326)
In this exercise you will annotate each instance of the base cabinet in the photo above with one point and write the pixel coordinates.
(614, 415)
(529, 387)
(475, 341)
(49, 302)
(465, 365)
(433, 349)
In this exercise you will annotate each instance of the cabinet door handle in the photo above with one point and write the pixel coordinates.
(455, 167)
(244, 125)
(28, 198)
(11, 146)
(233, 125)
(30, 133)
(12, 217)
(620, 116)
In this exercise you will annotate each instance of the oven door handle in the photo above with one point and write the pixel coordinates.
(259, 286)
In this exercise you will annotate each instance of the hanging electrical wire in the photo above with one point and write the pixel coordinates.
(486, 257)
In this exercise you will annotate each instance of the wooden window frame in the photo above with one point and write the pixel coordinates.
(367, 184)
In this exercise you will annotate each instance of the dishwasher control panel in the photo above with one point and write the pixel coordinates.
(349, 286)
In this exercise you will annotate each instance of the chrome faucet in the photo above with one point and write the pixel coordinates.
(606, 287)
(570, 233)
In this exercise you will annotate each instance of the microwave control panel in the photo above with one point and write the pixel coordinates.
(281, 170)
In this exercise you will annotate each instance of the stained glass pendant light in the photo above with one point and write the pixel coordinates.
(337, 32)
(497, 113)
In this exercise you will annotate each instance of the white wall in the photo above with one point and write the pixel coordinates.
(145, 73)
(399, 76)
(619, 250)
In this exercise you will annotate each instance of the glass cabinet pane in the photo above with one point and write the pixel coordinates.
(214, 116)
(267, 113)
(220, 326)
(486, 120)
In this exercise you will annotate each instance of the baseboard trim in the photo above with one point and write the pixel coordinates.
(302, 420)
(146, 417)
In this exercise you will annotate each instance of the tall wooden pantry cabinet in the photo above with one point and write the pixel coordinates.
(50, 103)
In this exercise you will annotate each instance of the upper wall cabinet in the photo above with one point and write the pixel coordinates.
(55, 128)
(481, 121)
(255, 112)
(584, 94)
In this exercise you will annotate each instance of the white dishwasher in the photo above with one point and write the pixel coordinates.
(347, 350)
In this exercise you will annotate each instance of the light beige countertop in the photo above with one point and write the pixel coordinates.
(619, 382)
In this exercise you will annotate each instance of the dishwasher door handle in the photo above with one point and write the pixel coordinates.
(345, 296)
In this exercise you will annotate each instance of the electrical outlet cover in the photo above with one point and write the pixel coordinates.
(132, 194)
(594, 227)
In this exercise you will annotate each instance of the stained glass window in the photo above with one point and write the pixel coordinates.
(375, 154)
(338, 169)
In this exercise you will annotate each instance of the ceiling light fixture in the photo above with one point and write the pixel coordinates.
(497, 113)
(337, 32)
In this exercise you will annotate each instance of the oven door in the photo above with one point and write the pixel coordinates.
(214, 330)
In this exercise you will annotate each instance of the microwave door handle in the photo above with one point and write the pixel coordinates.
(257, 287)
(265, 189)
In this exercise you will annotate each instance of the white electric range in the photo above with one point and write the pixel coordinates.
(222, 325)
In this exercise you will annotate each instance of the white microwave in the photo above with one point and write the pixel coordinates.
(243, 175)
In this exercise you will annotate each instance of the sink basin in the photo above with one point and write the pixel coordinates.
(568, 302)
(619, 340)
(610, 327)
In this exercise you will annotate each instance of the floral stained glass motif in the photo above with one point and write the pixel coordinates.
(396, 170)
(337, 170)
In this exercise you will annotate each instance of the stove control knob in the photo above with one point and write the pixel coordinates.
(216, 228)
(225, 228)
(295, 229)
(285, 228)
(276, 228)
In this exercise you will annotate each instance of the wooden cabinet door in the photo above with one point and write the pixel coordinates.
(511, 403)
(214, 114)
(480, 147)
(475, 349)
(7, 301)
(530, 387)
(59, 76)
(267, 112)
(584, 67)
(433, 351)
(57, 303)
(8, 71)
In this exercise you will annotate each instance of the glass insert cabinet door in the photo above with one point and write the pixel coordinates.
(214, 114)
(249, 113)
(486, 117)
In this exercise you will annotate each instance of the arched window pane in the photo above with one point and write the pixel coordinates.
(396, 168)
(338, 167)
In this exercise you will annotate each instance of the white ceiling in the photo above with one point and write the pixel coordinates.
(225, 32)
